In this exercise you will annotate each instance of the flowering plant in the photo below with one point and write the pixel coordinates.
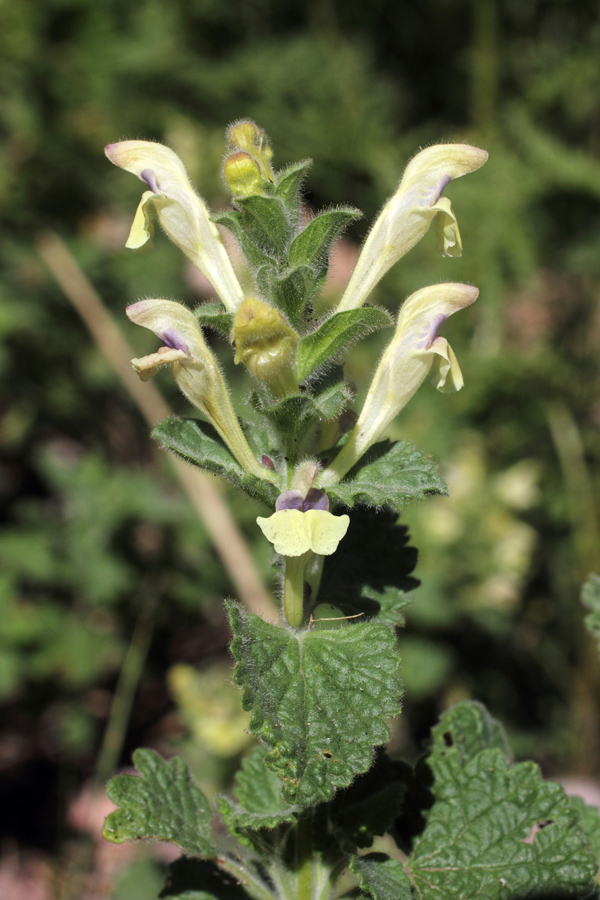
(323, 683)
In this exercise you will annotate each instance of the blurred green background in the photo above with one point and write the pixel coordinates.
(100, 551)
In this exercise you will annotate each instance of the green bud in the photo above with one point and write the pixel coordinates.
(243, 175)
(246, 135)
(266, 345)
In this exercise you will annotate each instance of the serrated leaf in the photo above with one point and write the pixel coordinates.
(589, 819)
(312, 245)
(590, 597)
(389, 474)
(319, 699)
(371, 570)
(163, 803)
(468, 728)
(198, 443)
(195, 879)
(213, 315)
(260, 802)
(336, 335)
(492, 831)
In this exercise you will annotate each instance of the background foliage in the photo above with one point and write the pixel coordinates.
(98, 545)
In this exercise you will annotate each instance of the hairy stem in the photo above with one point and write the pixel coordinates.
(293, 589)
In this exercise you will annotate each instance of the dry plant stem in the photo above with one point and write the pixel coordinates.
(127, 684)
(206, 499)
(586, 543)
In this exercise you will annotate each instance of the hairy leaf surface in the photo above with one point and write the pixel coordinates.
(492, 831)
(198, 443)
(390, 474)
(319, 699)
(213, 315)
(163, 802)
(336, 335)
(260, 802)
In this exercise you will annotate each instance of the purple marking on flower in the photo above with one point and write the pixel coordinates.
(149, 177)
(289, 500)
(433, 330)
(171, 338)
(440, 188)
(315, 499)
(429, 333)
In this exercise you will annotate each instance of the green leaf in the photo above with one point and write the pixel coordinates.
(163, 802)
(198, 443)
(289, 183)
(590, 597)
(371, 570)
(330, 393)
(589, 819)
(369, 806)
(289, 290)
(265, 223)
(260, 802)
(291, 418)
(389, 474)
(232, 219)
(336, 335)
(312, 245)
(492, 831)
(468, 728)
(196, 879)
(319, 699)
(383, 878)
(213, 315)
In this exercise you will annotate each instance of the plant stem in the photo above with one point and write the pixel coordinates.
(293, 589)
(253, 885)
(127, 685)
(304, 857)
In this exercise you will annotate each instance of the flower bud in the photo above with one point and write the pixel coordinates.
(243, 175)
(246, 135)
(266, 345)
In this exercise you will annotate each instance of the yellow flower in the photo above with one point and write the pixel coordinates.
(412, 352)
(408, 214)
(180, 211)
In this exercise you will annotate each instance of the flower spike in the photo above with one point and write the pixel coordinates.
(412, 352)
(195, 370)
(407, 215)
(181, 212)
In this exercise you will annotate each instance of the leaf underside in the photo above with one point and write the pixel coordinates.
(198, 443)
